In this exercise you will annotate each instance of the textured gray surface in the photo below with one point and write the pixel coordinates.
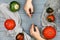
(26, 21)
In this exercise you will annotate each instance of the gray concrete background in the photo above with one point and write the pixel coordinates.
(26, 21)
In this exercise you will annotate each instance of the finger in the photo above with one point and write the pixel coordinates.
(28, 13)
(37, 29)
(31, 29)
(34, 28)
(32, 10)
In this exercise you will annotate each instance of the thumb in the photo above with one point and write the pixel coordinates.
(28, 13)
(32, 10)
(37, 29)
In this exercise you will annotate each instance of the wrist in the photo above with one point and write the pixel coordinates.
(40, 38)
(29, 0)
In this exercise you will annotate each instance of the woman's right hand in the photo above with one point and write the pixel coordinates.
(36, 33)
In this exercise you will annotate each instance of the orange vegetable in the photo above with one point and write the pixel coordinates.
(20, 36)
(9, 24)
(51, 18)
(49, 32)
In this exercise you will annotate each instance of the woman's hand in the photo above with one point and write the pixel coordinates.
(36, 33)
(28, 6)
